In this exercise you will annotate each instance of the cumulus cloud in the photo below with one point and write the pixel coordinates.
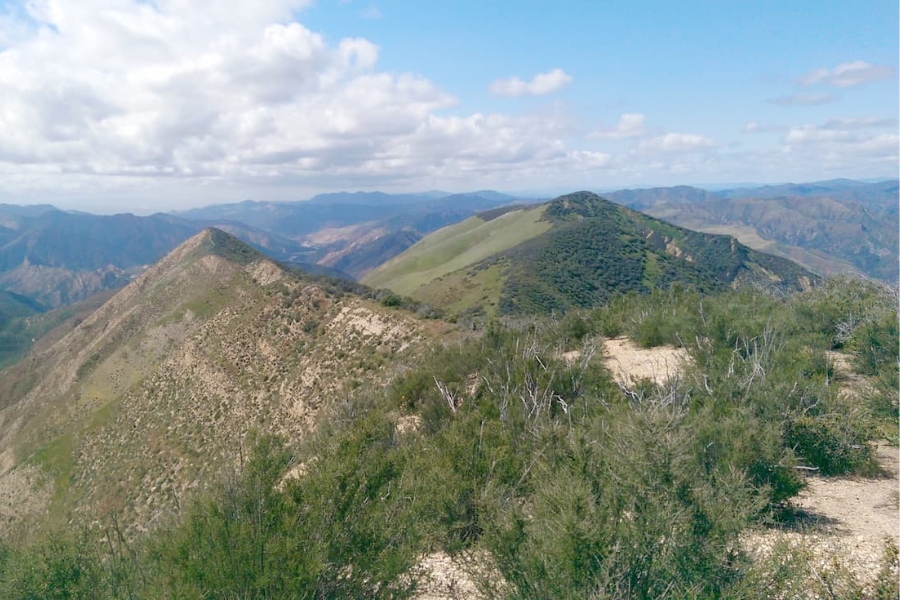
(848, 74)
(675, 142)
(540, 85)
(846, 141)
(236, 92)
(803, 99)
(630, 125)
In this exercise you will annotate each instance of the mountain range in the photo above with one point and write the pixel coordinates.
(829, 227)
(223, 406)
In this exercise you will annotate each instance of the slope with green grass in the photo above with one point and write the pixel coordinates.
(457, 247)
(15, 330)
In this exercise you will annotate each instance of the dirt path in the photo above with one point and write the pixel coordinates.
(846, 518)
(850, 517)
(860, 508)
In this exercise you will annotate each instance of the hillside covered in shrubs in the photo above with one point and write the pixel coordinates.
(515, 451)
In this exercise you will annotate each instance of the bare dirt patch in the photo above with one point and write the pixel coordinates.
(443, 577)
(264, 272)
(23, 492)
(629, 363)
(841, 521)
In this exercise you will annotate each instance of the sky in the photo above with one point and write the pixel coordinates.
(156, 105)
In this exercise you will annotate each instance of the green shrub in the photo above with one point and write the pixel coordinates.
(831, 444)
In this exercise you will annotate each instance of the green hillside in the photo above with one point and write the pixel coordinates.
(15, 332)
(457, 247)
(578, 250)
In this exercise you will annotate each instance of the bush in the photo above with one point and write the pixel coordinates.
(831, 444)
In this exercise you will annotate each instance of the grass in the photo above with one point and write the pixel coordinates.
(457, 247)
(463, 291)
(55, 459)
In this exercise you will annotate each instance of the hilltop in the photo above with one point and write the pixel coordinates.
(575, 251)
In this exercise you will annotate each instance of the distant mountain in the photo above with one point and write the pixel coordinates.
(115, 413)
(59, 257)
(838, 189)
(344, 230)
(372, 198)
(360, 258)
(575, 251)
(639, 199)
(829, 227)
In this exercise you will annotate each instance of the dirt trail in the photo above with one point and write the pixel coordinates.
(847, 518)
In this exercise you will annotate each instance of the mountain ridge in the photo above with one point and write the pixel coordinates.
(580, 250)
(174, 366)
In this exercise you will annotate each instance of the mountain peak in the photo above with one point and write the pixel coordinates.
(219, 243)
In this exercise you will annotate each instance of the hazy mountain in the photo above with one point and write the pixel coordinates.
(374, 198)
(58, 257)
(838, 189)
(829, 227)
(344, 230)
(575, 251)
(639, 199)
(175, 366)
(826, 234)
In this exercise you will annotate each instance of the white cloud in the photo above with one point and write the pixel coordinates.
(675, 142)
(754, 127)
(629, 125)
(540, 85)
(803, 99)
(845, 141)
(855, 123)
(100, 94)
(180, 101)
(848, 74)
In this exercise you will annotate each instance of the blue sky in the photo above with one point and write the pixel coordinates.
(126, 105)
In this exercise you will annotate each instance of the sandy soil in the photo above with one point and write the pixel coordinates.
(444, 579)
(630, 363)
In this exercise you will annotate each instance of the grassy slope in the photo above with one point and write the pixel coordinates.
(476, 291)
(15, 332)
(457, 247)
